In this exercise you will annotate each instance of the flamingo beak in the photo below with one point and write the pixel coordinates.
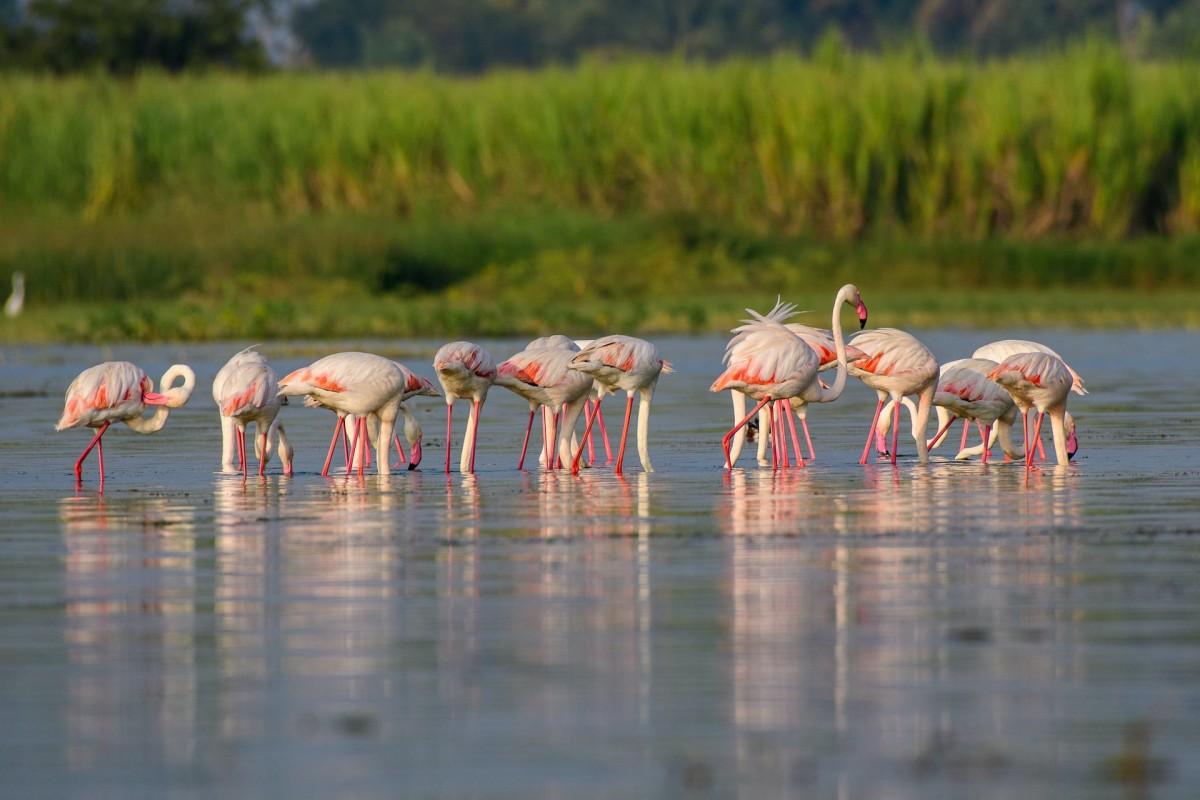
(862, 315)
(1072, 445)
(414, 455)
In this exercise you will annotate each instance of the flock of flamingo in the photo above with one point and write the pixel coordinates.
(769, 360)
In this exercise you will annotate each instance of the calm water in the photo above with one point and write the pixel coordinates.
(838, 631)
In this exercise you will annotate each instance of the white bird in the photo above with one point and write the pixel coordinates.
(16, 301)
(246, 390)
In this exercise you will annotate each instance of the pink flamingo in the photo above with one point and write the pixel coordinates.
(767, 361)
(357, 384)
(1041, 381)
(245, 391)
(118, 391)
(414, 386)
(965, 392)
(544, 378)
(597, 396)
(896, 365)
(824, 345)
(622, 363)
(465, 370)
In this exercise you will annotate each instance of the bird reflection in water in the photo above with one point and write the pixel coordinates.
(129, 586)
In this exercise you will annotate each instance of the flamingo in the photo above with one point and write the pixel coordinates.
(245, 391)
(118, 391)
(543, 377)
(351, 383)
(414, 386)
(465, 370)
(824, 345)
(766, 360)
(622, 363)
(965, 391)
(896, 365)
(1041, 381)
(558, 341)
(16, 301)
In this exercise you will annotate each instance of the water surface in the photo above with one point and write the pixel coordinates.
(838, 631)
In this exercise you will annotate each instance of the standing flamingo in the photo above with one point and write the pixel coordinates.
(245, 391)
(1041, 381)
(358, 384)
(766, 360)
(966, 392)
(824, 345)
(118, 391)
(896, 365)
(999, 350)
(543, 377)
(465, 370)
(622, 363)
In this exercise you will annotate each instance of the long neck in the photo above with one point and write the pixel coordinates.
(839, 345)
(152, 423)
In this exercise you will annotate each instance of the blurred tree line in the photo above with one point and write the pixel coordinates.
(472, 35)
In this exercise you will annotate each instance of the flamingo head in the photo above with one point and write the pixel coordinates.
(412, 432)
(1072, 439)
(854, 297)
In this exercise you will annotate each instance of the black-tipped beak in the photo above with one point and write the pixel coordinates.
(411, 466)
(862, 315)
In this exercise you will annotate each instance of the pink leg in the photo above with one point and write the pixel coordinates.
(525, 444)
(624, 434)
(986, 432)
(400, 451)
(241, 445)
(1041, 450)
(362, 443)
(475, 433)
(1037, 434)
(587, 429)
(779, 453)
(1025, 426)
(546, 465)
(337, 427)
(603, 434)
(895, 431)
(591, 456)
(562, 414)
(727, 438)
(962, 445)
(871, 432)
(942, 430)
(346, 443)
(449, 433)
(791, 421)
(100, 455)
(812, 454)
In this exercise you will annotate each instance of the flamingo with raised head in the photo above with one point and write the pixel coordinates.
(622, 363)
(357, 384)
(896, 364)
(245, 390)
(824, 345)
(768, 361)
(118, 391)
(1041, 381)
(965, 391)
(466, 371)
(542, 375)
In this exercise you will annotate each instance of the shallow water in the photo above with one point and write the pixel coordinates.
(942, 630)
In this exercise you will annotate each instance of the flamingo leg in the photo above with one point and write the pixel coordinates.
(986, 432)
(603, 433)
(558, 427)
(1025, 426)
(791, 421)
(262, 450)
(449, 433)
(962, 445)
(1037, 434)
(591, 448)
(545, 459)
(871, 432)
(399, 450)
(587, 429)
(725, 440)
(525, 444)
(100, 455)
(1041, 450)
(779, 455)
(241, 445)
(938, 436)
(362, 444)
(624, 434)
(895, 431)
(333, 446)
(346, 442)
(812, 454)
(475, 433)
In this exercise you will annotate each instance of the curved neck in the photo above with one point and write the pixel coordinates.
(152, 423)
(839, 343)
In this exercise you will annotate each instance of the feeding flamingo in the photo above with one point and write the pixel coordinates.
(118, 391)
(622, 363)
(245, 391)
(999, 350)
(896, 365)
(824, 345)
(465, 370)
(358, 384)
(768, 362)
(966, 392)
(543, 376)
(1041, 381)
